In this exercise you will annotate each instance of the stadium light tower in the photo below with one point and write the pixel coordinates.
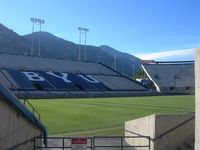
(115, 61)
(79, 50)
(133, 70)
(39, 22)
(82, 30)
(133, 67)
(33, 22)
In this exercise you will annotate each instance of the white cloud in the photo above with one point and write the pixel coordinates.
(175, 55)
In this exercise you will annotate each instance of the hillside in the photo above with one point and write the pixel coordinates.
(11, 42)
(55, 47)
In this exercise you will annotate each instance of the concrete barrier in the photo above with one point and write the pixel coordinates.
(156, 125)
(197, 99)
(18, 126)
(144, 126)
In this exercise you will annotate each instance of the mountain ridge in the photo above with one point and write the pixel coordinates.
(55, 47)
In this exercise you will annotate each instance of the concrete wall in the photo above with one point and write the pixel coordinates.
(143, 126)
(14, 129)
(178, 90)
(176, 138)
(155, 125)
(197, 99)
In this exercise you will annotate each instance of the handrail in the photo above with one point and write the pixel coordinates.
(34, 111)
(93, 144)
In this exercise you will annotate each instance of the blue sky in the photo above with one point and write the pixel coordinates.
(138, 27)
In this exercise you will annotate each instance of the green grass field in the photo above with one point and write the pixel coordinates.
(104, 116)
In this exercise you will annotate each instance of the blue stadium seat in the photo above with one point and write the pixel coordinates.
(87, 82)
(40, 80)
(21, 80)
(37, 80)
(59, 80)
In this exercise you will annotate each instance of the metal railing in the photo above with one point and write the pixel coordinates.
(94, 143)
(119, 142)
(59, 143)
(31, 108)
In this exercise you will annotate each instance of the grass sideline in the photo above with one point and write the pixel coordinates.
(105, 116)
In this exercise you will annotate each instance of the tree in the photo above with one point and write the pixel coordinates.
(140, 74)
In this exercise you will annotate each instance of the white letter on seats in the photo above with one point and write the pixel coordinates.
(64, 76)
(89, 78)
(32, 76)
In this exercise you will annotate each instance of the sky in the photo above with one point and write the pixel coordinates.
(149, 29)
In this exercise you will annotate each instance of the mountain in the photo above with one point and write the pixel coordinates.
(11, 42)
(55, 47)
(125, 63)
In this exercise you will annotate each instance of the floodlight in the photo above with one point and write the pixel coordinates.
(39, 22)
(82, 30)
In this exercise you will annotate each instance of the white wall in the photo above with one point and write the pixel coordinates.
(197, 99)
(155, 125)
(14, 128)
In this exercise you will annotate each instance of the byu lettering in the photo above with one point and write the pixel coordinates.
(89, 78)
(64, 76)
(33, 76)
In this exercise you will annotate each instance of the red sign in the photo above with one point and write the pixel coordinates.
(79, 144)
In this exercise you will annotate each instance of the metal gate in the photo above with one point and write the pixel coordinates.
(96, 143)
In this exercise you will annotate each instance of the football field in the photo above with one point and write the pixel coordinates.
(105, 116)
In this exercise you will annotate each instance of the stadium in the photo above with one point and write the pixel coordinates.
(49, 103)
(99, 75)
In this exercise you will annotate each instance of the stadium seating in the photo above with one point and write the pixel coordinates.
(17, 80)
(57, 82)
(172, 77)
(43, 77)
(119, 83)
(40, 80)
(46, 64)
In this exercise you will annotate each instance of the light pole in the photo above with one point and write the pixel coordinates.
(33, 21)
(133, 70)
(115, 61)
(133, 67)
(79, 50)
(39, 22)
(82, 30)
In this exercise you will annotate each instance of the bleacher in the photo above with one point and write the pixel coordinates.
(37, 77)
(47, 64)
(171, 77)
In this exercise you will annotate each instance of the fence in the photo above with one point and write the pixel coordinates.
(94, 143)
